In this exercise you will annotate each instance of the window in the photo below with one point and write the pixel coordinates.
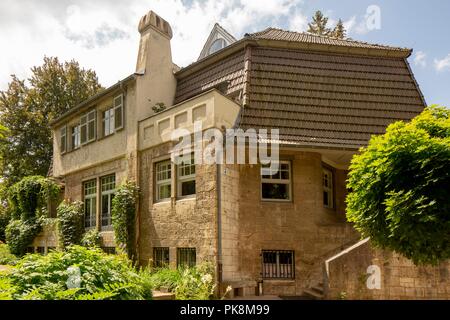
(186, 257)
(30, 250)
(276, 185)
(328, 200)
(118, 112)
(163, 171)
(87, 127)
(108, 185)
(76, 137)
(108, 122)
(217, 45)
(278, 264)
(112, 118)
(160, 257)
(90, 203)
(186, 177)
(63, 139)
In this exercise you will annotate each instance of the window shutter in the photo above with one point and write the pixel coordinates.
(118, 112)
(83, 129)
(92, 128)
(63, 142)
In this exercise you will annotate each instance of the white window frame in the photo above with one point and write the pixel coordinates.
(185, 178)
(109, 193)
(330, 188)
(118, 111)
(278, 181)
(63, 137)
(108, 122)
(93, 204)
(160, 180)
(76, 136)
(91, 117)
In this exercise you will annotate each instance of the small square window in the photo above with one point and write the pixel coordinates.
(278, 264)
(160, 257)
(276, 184)
(186, 257)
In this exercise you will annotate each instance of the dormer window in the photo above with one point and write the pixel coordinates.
(217, 45)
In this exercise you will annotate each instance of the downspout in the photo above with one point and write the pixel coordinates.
(219, 227)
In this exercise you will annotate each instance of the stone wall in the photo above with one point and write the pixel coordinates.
(348, 276)
(302, 225)
(189, 222)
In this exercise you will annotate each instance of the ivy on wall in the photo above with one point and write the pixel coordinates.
(124, 215)
(28, 207)
(70, 223)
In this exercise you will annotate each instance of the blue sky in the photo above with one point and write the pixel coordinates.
(102, 34)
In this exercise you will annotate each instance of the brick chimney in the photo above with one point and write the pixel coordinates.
(154, 64)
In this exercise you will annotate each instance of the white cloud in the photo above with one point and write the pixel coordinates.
(103, 35)
(350, 24)
(420, 59)
(442, 64)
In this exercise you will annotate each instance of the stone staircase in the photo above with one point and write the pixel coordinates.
(316, 292)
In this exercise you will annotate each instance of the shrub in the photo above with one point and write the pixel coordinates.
(91, 239)
(5, 217)
(74, 274)
(20, 234)
(196, 283)
(165, 278)
(6, 257)
(124, 215)
(70, 222)
(401, 185)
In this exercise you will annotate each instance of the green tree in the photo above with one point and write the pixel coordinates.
(27, 107)
(400, 186)
(319, 24)
(339, 30)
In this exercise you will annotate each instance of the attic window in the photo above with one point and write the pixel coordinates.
(217, 45)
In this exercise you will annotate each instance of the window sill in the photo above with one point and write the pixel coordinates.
(186, 198)
(280, 281)
(278, 201)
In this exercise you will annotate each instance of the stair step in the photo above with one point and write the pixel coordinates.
(313, 293)
(318, 289)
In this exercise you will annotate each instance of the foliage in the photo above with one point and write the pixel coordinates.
(400, 186)
(5, 217)
(91, 239)
(158, 107)
(70, 222)
(165, 278)
(6, 257)
(21, 233)
(27, 107)
(101, 276)
(123, 215)
(319, 26)
(29, 197)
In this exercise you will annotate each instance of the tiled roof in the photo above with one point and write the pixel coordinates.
(278, 34)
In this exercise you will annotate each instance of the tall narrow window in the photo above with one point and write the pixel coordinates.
(160, 257)
(90, 203)
(108, 122)
(328, 200)
(76, 137)
(118, 112)
(186, 257)
(63, 139)
(83, 129)
(163, 177)
(91, 125)
(278, 264)
(108, 185)
(276, 184)
(186, 177)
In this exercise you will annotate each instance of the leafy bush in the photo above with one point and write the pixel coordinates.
(70, 222)
(165, 278)
(91, 239)
(401, 185)
(20, 234)
(123, 215)
(6, 257)
(77, 273)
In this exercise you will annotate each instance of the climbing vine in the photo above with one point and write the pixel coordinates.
(124, 215)
(70, 222)
(28, 206)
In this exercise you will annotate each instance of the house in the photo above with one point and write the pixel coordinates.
(268, 232)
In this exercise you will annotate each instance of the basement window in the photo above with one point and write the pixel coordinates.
(186, 177)
(163, 174)
(186, 257)
(278, 264)
(328, 201)
(276, 184)
(160, 257)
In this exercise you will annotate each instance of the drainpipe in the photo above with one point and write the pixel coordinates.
(219, 227)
